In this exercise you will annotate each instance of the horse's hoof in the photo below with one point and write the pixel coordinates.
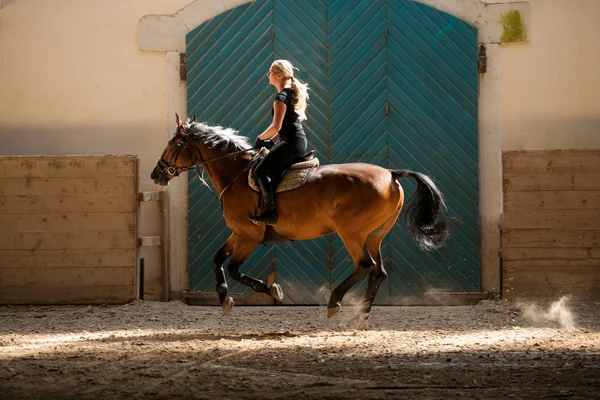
(362, 321)
(331, 311)
(276, 292)
(227, 305)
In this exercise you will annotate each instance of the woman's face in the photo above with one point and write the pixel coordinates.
(274, 77)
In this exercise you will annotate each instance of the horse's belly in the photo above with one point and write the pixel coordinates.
(299, 225)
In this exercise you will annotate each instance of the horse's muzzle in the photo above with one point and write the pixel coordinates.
(159, 176)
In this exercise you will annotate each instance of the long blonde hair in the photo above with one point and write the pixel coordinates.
(299, 89)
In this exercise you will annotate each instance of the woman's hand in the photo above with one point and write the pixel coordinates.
(268, 143)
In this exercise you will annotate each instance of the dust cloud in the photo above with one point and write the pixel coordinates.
(558, 313)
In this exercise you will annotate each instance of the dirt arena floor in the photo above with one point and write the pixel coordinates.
(151, 350)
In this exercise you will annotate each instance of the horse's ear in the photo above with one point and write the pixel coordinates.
(177, 120)
(194, 119)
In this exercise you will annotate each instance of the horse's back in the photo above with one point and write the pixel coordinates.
(333, 183)
(339, 197)
(355, 173)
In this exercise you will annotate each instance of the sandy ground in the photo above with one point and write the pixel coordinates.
(150, 350)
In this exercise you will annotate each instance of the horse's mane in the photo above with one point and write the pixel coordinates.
(218, 137)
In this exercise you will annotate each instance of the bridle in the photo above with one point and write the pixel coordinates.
(170, 168)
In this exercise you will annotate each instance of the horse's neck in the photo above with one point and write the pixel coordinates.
(223, 171)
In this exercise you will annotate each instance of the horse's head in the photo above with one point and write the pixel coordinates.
(177, 157)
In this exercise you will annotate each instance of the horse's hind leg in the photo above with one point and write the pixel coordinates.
(363, 265)
(242, 250)
(378, 275)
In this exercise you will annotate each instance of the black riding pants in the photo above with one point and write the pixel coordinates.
(281, 156)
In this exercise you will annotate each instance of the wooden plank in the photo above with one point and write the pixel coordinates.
(576, 238)
(63, 204)
(543, 253)
(558, 277)
(67, 258)
(67, 166)
(66, 276)
(67, 222)
(517, 181)
(551, 160)
(539, 292)
(67, 240)
(66, 295)
(546, 266)
(551, 200)
(108, 185)
(556, 219)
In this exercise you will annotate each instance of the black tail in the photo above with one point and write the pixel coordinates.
(422, 212)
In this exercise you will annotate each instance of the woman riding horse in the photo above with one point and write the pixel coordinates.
(289, 109)
(358, 201)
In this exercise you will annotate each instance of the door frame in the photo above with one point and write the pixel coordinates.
(167, 33)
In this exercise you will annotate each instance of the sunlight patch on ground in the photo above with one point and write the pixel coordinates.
(348, 342)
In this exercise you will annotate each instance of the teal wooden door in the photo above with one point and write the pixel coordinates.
(227, 59)
(393, 83)
(358, 82)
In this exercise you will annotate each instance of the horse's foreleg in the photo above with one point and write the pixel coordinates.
(220, 257)
(363, 265)
(242, 250)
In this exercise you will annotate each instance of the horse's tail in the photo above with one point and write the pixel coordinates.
(422, 212)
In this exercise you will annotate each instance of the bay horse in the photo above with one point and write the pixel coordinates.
(358, 201)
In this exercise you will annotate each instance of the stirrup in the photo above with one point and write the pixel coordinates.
(269, 218)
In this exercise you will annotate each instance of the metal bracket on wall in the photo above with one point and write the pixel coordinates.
(182, 67)
(482, 59)
(162, 241)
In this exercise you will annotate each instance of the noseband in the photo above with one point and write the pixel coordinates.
(169, 167)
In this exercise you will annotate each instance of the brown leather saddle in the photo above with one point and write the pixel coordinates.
(293, 177)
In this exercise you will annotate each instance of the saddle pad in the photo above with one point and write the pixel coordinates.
(293, 178)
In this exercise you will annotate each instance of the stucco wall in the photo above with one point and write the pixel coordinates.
(549, 86)
(73, 80)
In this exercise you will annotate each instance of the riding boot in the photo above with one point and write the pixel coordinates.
(269, 215)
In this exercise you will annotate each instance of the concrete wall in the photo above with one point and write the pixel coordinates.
(73, 80)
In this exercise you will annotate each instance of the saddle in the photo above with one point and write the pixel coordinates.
(293, 177)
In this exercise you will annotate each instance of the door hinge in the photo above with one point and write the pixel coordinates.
(387, 109)
(482, 60)
(182, 67)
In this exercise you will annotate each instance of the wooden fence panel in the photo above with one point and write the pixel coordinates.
(551, 224)
(67, 229)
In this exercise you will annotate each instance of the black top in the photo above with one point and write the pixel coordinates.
(291, 128)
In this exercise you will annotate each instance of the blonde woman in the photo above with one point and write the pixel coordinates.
(289, 109)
